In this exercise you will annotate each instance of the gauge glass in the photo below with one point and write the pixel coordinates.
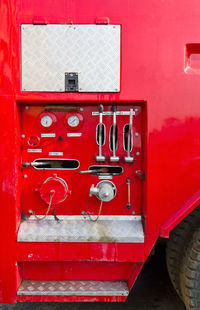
(73, 121)
(46, 121)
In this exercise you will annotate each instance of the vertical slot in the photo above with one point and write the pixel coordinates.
(126, 137)
(113, 137)
(102, 132)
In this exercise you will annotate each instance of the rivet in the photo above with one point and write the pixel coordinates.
(25, 176)
(26, 107)
(81, 109)
(22, 136)
(137, 153)
(137, 134)
(133, 212)
(136, 109)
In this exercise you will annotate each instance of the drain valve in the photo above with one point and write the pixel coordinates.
(104, 191)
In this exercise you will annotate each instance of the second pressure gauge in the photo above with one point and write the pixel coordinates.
(73, 121)
(47, 121)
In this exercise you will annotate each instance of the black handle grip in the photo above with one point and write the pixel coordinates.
(26, 164)
(114, 108)
(101, 108)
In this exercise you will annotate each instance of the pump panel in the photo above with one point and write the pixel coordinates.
(80, 157)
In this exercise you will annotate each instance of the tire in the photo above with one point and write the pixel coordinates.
(190, 274)
(177, 244)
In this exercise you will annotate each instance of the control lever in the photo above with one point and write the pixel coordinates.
(100, 157)
(34, 164)
(129, 158)
(114, 158)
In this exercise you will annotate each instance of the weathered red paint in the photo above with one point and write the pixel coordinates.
(159, 74)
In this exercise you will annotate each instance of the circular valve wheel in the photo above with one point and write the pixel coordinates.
(33, 141)
(56, 188)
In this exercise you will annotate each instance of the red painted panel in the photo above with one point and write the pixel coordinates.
(84, 149)
(107, 252)
(62, 271)
(71, 298)
(157, 40)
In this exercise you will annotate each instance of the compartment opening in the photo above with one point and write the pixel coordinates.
(126, 138)
(64, 164)
(106, 170)
(115, 138)
(101, 131)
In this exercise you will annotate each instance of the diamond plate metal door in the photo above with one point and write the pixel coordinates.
(49, 52)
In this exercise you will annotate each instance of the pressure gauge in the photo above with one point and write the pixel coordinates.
(47, 121)
(73, 121)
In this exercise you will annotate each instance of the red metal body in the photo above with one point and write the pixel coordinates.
(160, 75)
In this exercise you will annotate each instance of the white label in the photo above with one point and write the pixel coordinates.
(34, 150)
(48, 135)
(55, 153)
(105, 177)
(117, 113)
(74, 134)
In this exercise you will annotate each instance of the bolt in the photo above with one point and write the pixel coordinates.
(137, 134)
(137, 153)
(136, 109)
(133, 212)
(26, 106)
(81, 109)
(25, 176)
(23, 136)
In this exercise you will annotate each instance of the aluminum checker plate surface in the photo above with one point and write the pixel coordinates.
(50, 51)
(71, 288)
(122, 229)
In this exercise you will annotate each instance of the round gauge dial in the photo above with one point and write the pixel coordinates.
(47, 121)
(73, 121)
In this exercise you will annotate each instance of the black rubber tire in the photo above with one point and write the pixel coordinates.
(179, 239)
(190, 274)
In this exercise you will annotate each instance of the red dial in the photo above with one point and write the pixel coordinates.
(47, 121)
(73, 121)
(33, 141)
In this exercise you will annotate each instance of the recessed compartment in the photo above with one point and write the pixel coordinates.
(55, 164)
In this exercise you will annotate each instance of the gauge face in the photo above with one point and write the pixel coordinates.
(46, 121)
(73, 121)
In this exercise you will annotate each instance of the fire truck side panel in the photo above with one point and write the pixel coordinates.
(159, 92)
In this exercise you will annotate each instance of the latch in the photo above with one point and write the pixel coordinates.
(71, 82)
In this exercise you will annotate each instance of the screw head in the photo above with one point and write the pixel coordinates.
(137, 134)
(137, 153)
(23, 136)
(26, 107)
(136, 109)
(25, 176)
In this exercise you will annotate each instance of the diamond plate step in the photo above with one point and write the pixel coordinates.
(122, 229)
(73, 288)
